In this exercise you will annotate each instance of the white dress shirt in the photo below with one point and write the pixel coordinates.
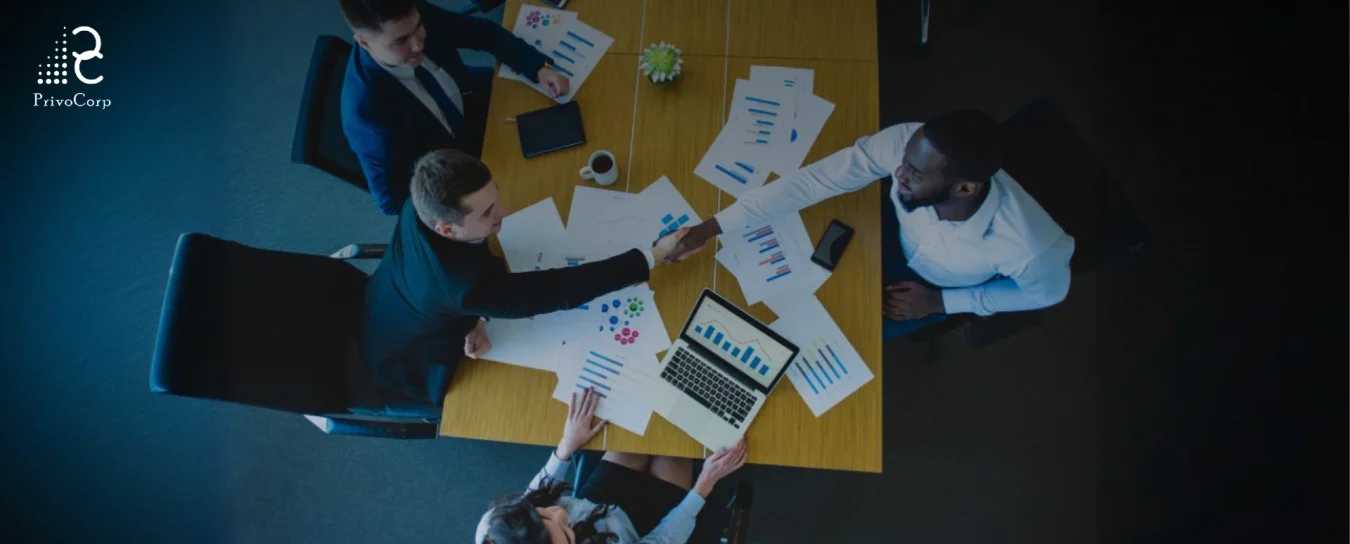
(408, 78)
(1009, 256)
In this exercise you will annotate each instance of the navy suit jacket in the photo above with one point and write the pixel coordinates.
(429, 292)
(388, 128)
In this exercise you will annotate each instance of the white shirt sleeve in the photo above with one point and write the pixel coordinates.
(651, 259)
(1039, 282)
(847, 170)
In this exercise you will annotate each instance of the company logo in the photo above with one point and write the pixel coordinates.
(58, 66)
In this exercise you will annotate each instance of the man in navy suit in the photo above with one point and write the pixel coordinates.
(407, 91)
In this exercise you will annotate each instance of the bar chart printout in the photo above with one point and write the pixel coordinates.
(827, 369)
(620, 380)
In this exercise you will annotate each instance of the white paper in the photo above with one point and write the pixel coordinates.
(533, 238)
(801, 80)
(604, 223)
(771, 259)
(598, 226)
(812, 113)
(574, 46)
(762, 116)
(625, 321)
(827, 369)
(531, 342)
(621, 380)
(728, 168)
(666, 208)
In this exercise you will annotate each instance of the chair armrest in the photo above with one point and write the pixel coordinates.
(989, 330)
(738, 521)
(361, 251)
(376, 429)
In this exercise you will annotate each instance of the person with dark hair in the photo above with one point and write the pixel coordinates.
(407, 91)
(628, 499)
(970, 238)
(438, 279)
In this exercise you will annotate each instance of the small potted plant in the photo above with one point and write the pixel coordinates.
(661, 64)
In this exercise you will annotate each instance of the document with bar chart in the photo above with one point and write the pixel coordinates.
(770, 260)
(621, 381)
(574, 46)
(827, 369)
(729, 167)
(763, 113)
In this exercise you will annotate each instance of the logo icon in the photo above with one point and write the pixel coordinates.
(56, 70)
(632, 308)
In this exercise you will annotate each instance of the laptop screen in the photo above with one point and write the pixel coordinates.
(747, 345)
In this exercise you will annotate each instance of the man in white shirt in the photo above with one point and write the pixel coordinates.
(971, 239)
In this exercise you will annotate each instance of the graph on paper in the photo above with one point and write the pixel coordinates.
(754, 352)
(619, 380)
(771, 260)
(827, 369)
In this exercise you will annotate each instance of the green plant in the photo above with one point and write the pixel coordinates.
(661, 63)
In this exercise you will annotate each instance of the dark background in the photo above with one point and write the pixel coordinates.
(1191, 393)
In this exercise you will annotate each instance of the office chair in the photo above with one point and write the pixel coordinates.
(1044, 153)
(482, 6)
(276, 330)
(725, 525)
(319, 141)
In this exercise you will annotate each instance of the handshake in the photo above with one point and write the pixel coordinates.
(681, 244)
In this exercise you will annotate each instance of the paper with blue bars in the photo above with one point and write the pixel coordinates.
(827, 369)
(620, 379)
(574, 47)
(772, 259)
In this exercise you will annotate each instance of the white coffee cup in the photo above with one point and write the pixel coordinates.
(598, 161)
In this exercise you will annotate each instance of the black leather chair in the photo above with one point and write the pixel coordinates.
(725, 518)
(276, 330)
(1044, 153)
(319, 141)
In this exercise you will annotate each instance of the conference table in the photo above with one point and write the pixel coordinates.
(655, 132)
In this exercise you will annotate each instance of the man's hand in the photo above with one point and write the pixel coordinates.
(908, 300)
(578, 430)
(476, 342)
(661, 249)
(556, 84)
(722, 463)
(694, 241)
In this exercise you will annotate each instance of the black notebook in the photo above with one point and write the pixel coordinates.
(550, 129)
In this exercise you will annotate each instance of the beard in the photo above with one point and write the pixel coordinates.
(914, 202)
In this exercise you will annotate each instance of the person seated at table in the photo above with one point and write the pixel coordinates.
(628, 498)
(971, 239)
(407, 91)
(437, 279)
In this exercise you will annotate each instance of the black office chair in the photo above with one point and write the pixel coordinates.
(276, 330)
(728, 524)
(319, 141)
(482, 6)
(1045, 154)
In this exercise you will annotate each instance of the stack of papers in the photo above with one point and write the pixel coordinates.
(772, 259)
(574, 46)
(827, 369)
(621, 380)
(773, 123)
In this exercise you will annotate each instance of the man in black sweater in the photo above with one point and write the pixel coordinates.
(438, 280)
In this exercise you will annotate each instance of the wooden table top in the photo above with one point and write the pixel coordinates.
(664, 132)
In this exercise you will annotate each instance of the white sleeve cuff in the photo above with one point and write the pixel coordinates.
(651, 259)
(733, 219)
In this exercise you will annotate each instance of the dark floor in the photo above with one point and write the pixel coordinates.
(1192, 393)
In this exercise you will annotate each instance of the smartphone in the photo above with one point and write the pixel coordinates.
(555, 3)
(831, 245)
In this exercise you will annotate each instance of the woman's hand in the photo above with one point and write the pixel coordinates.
(722, 463)
(578, 430)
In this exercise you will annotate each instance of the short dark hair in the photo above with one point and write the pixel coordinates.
(372, 14)
(440, 181)
(971, 141)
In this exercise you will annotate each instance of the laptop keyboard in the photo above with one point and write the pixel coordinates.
(729, 400)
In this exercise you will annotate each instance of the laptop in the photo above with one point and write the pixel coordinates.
(716, 376)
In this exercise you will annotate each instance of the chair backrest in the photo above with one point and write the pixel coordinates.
(319, 141)
(1045, 154)
(258, 327)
